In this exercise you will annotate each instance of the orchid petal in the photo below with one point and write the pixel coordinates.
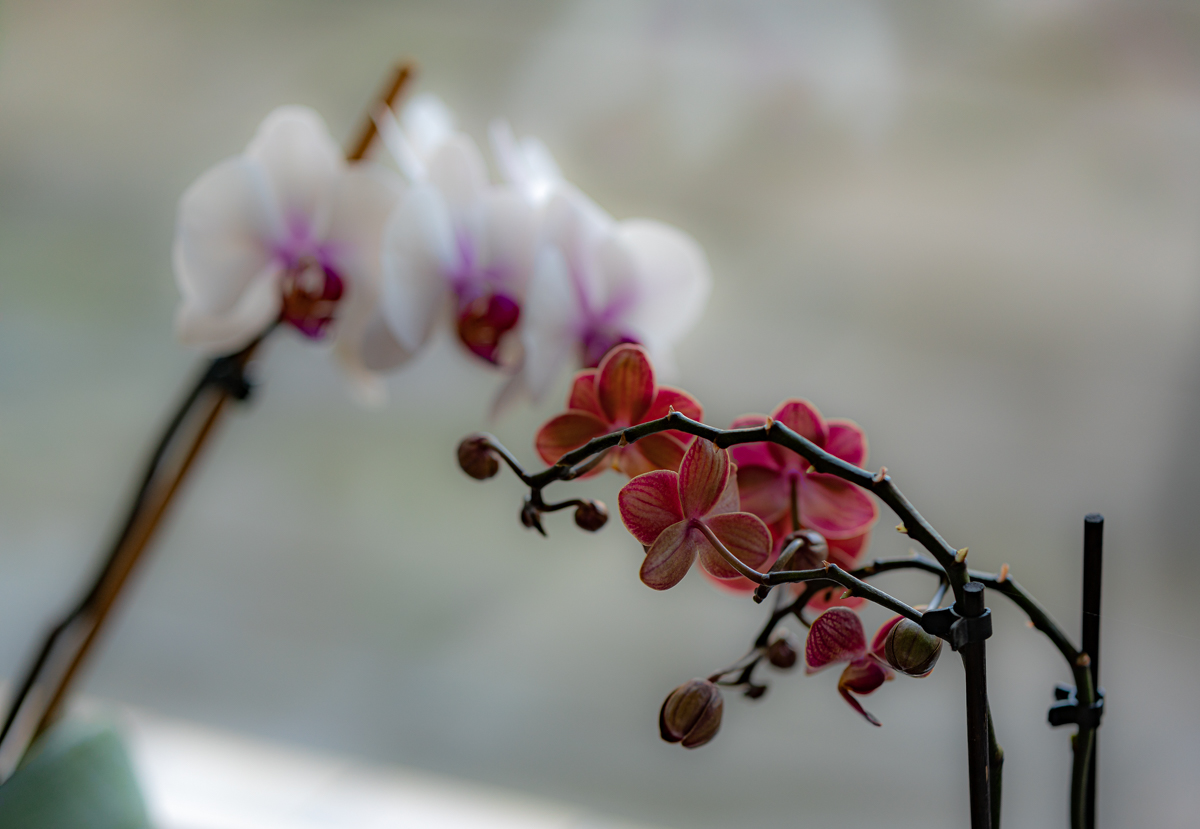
(302, 163)
(847, 441)
(649, 504)
(754, 454)
(846, 552)
(834, 507)
(418, 247)
(828, 597)
(764, 492)
(679, 400)
(703, 475)
(456, 168)
(730, 500)
(836, 635)
(861, 677)
(566, 432)
(583, 393)
(525, 164)
(223, 235)
(674, 279)
(625, 385)
(661, 451)
(744, 535)
(363, 201)
(550, 315)
(671, 555)
(427, 123)
(231, 331)
(508, 241)
(803, 418)
(379, 350)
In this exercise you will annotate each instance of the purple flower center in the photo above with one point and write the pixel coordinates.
(311, 291)
(595, 342)
(484, 321)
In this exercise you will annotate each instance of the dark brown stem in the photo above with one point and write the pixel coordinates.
(388, 96)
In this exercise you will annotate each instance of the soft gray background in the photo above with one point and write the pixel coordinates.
(971, 227)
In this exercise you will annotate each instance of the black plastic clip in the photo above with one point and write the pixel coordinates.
(1067, 711)
(955, 629)
(229, 374)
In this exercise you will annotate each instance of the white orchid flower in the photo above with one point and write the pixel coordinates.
(598, 282)
(287, 231)
(455, 243)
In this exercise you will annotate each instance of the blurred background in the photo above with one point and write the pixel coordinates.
(973, 228)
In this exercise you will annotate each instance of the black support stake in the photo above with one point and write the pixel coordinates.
(974, 666)
(1093, 546)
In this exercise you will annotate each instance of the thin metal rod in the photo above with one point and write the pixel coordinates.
(1093, 549)
(975, 668)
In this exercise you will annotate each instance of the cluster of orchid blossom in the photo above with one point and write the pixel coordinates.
(734, 511)
(530, 273)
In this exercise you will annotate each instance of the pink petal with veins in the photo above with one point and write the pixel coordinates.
(847, 441)
(626, 385)
(566, 432)
(677, 399)
(764, 492)
(862, 677)
(583, 394)
(835, 508)
(660, 451)
(671, 556)
(836, 636)
(703, 476)
(744, 535)
(649, 504)
(803, 418)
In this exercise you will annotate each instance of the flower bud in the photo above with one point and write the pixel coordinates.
(910, 650)
(476, 458)
(691, 714)
(531, 517)
(781, 652)
(591, 515)
(811, 552)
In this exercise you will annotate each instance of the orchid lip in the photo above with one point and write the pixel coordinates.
(311, 291)
(483, 323)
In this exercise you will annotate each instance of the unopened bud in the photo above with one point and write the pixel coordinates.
(809, 554)
(531, 517)
(910, 650)
(476, 458)
(781, 652)
(691, 714)
(591, 515)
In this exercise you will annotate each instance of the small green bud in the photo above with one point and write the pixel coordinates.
(691, 715)
(910, 650)
(476, 458)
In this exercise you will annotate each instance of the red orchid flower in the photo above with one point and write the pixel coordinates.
(680, 516)
(837, 636)
(774, 482)
(621, 392)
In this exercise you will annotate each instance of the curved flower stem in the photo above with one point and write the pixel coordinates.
(913, 523)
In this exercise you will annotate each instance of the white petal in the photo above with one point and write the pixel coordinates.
(457, 170)
(508, 239)
(403, 152)
(223, 234)
(550, 318)
(427, 123)
(380, 350)
(675, 281)
(366, 197)
(526, 164)
(302, 163)
(418, 249)
(224, 333)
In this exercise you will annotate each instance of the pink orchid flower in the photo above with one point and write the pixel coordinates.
(286, 231)
(837, 636)
(682, 516)
(773, 481)
(621, 392)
